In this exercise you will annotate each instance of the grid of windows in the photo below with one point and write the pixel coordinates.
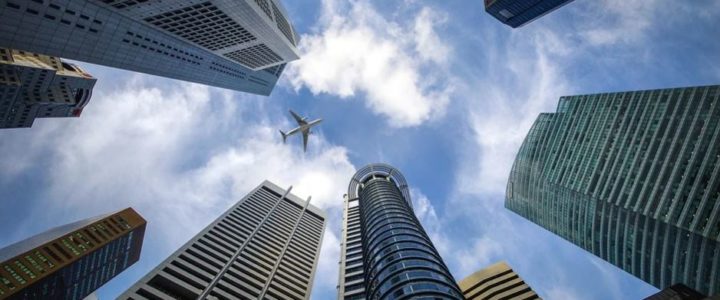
(267, 245)
(76, 263)
(516, 13)
(203, 24)
(265, 7)
(254, 56)
(630, 177)
(283, 24)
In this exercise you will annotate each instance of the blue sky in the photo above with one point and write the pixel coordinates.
(438, 89)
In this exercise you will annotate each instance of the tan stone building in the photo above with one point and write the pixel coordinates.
(498, 281)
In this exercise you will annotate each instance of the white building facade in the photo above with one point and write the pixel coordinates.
(241, 45)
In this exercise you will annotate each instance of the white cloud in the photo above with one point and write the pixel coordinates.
(147, 146)
(510, 104)
(356, 52)
(480, 254)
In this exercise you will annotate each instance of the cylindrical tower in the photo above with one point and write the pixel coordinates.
(399, 260)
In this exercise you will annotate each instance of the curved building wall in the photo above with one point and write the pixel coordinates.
(632, 177)
(386, 252)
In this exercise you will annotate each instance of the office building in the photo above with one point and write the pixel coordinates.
(241, 45)
(73, 260)
(385, 252)
(496, 282)
(264, 247)
(677, 292)
(40, 86)
(631, 177)
(516, 13)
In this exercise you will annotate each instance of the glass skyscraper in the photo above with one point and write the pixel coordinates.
(264, 247)
(516, 13)
(241, 45)
(73, 260)
(386, 253)
(632, 177)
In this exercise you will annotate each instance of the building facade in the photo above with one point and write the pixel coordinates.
(241, 45)
(632, 177)
(385, 252)
(40, 86)
(71, 261)
(516, 13)
(496, 282)
(264, 247)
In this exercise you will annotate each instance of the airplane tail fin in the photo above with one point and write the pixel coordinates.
(284, 136)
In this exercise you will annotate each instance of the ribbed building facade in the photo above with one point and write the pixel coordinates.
(235, 44)
(40, 86)
(264, 247)
(386, 253)
(632, 177)
(516, 13)
(496, 282)
(73, 260)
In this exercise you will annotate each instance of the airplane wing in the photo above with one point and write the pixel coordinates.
(298, 118)
(305, 139)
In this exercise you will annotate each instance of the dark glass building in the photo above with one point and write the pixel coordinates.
(266, 246)
(516, 13)
(71, 261)
(386, 253)
(632, 177)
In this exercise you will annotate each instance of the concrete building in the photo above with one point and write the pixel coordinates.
(632, 177)
(235, 44)
(73, 260)
(40, 86)
(264, 247)
(385, 252)
(496, 282)
(516, 13)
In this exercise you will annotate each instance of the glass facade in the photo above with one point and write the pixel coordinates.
(387, 254)
(631, 177)
(516, 13)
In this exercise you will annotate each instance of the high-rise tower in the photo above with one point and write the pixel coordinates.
(516, 13)
(496, 282)
(632, 177)
(40, 86)
(386, 253)
(73, 260)
(264, 247)
(236, 44)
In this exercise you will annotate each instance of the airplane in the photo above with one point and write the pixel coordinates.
(303, 126)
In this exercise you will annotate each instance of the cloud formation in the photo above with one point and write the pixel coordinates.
(357, 53)
(146, 145)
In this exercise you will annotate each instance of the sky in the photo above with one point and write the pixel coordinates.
(438, 89)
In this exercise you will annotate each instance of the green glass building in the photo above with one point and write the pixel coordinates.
(632, 177)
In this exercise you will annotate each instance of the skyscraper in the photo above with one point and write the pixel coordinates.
(496, 282)
(631, 177)
(73, 260)
(40, 86)
(264, 247)
(516, 13)
(385, 252)
(235, 44)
